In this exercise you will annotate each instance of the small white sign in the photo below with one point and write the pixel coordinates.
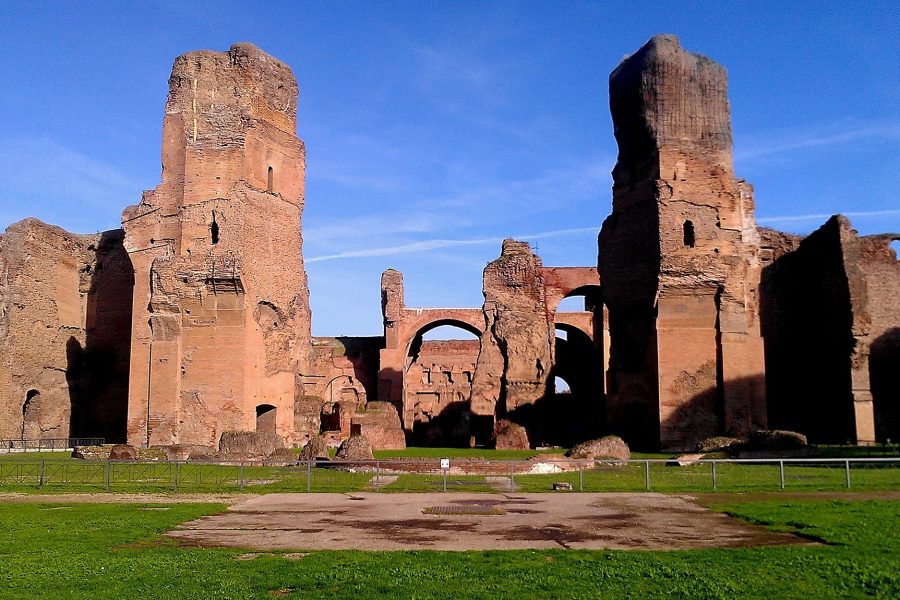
(445, 463)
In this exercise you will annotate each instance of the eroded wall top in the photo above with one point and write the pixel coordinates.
(664, 95)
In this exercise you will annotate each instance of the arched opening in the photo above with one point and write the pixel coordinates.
(572, 304)
(265, 418)
(270, 182)
(689, 235)
(214, 230)
(344, 396)
(449, 332)
(441, 330)
(440, 369)
(29, 396)
(895, 246)
(29, 415)
(586, 298)
(574, 409)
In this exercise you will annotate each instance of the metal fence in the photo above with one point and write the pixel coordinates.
(422, 475)
(47, 444)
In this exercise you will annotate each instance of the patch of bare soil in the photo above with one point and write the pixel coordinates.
(401, 522)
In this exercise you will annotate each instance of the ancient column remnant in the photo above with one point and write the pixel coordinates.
(393, 356)
(221, 308)
(517, 346)
(678, 256)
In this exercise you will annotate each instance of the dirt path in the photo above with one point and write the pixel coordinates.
(371, 521)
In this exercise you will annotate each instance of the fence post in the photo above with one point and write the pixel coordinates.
(512, 485)
(308, 475)
(41, 480)
(377, 476)
(781, 472)
(107, 475)
(580, 478)
(445, 478)
(715, 483)
(175, 478)
(847, 471)
(242, 475)
(647, 477)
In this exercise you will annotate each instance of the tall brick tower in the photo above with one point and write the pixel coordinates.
(678, 256)
(221, 320)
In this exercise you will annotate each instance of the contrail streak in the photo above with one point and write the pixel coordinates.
(435, 244)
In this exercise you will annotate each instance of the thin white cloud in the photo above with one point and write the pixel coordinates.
(60, 168)
(45, 178)
(436, 244)
(545, 192)
(823, 216)
(823, 136)
(356, 227)
(443, 68)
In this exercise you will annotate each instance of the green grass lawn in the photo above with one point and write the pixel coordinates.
(54, 476)
(48, 455)
(729, 477)
(114, 551)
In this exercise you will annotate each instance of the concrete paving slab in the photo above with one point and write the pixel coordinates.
(373, 521)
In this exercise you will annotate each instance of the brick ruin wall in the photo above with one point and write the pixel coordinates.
(517, 348)
(881, 268)
(222, 321)
(678, 256)
(437, 391)
(810, 327)
(65, 316)
(194, 319)
(830, 319)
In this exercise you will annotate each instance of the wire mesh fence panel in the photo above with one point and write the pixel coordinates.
(271, 478)
(668, 476)
(560, 477)
(207, 477)
(17, 474)
(351, 476)
(814, 476)
(484, 475)
(130, 476)
(46, 444)
(63, 474)
(586, 475)
(874, 475)
(71, 474)
(422, 476)
(732, 476)
(475, 475)
(615, 477)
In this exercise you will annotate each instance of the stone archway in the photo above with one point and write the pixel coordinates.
(578, 413)
(31, 426)
(437, 383)
(401, 334)
(265, 418)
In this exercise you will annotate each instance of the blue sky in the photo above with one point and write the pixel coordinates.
(434, 130)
